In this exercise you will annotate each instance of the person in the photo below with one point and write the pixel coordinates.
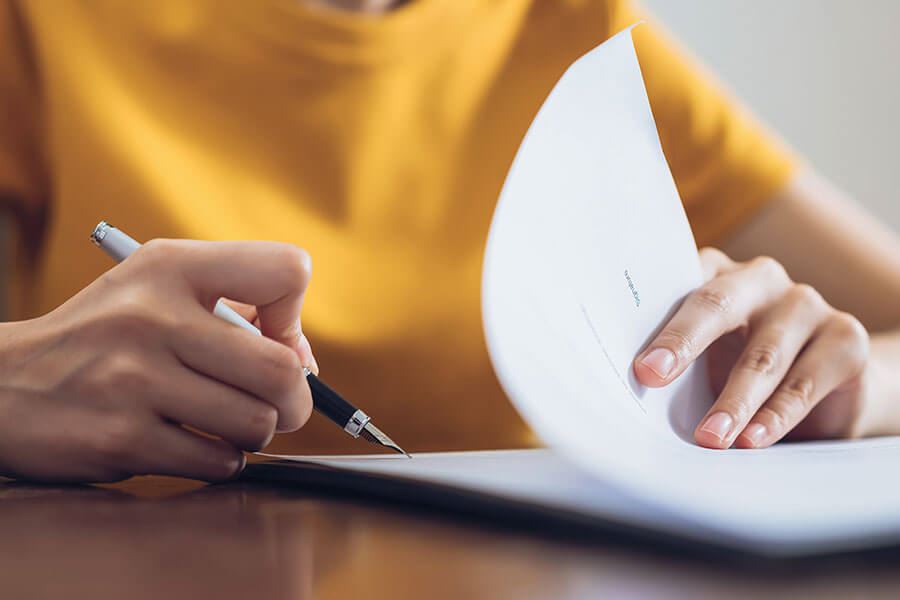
(376, 135)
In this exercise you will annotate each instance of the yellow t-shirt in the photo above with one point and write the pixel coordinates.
(379, 144)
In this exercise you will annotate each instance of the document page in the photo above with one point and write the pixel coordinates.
(588, 254)
(544, 479)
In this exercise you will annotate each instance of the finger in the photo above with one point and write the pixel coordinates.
(835, 356)
(718, 307)
(269, 275)
(250, 314)
(168, 449)
(774, 343)
(257, 365)
(714, 262)
(216, 408)
(248, 311)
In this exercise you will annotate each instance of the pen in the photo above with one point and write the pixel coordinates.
(119, 246)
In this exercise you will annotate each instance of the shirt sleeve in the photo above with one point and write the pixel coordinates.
(725, 164)
(20, 172)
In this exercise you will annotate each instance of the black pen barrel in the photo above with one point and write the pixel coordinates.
(329, 402)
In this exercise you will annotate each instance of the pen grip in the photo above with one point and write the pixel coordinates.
(328, 402)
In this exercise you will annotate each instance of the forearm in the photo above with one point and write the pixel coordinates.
(824, 239)
(882, 414)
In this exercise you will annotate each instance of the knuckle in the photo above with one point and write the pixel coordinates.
(713, 256)
(121, 374)
(158, 249)
(807, 296)
(855, 338)
(682, 344)
(137, 313)
(297, 265)
(799, 389)
(709, 251)
(761, 358)
(712, 298)
(769, 267)
(848, 326)
(133, 318)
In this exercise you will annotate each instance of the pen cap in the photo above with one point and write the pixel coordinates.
(117, 244)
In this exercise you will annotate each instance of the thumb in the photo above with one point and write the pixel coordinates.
(269, 275)
(279, 319)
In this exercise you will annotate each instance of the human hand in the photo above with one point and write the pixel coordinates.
(135, 374)
(780, 358)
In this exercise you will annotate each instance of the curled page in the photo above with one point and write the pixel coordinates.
(589, 252)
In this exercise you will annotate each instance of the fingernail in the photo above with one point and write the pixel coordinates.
(306, 354)
(718, 424)
(238, 467)
(660, 361)
(755, 433)
(268, 439)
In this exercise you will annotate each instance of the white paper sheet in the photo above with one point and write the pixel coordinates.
(544, 478)
(588, 253)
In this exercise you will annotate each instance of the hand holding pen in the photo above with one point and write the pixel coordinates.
(99, 389)
(283, 328)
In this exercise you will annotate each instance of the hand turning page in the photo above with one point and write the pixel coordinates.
(589, 252)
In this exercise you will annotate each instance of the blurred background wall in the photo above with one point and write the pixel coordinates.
(823, 73)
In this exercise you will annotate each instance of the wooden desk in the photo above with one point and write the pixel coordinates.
(164, 538)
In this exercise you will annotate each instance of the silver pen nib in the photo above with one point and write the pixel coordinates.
(374, 435)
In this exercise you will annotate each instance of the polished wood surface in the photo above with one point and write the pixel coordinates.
(165, 538)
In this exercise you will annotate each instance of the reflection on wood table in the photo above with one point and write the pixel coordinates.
(154, 537)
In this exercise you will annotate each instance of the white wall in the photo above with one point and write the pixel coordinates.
(823, 73)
